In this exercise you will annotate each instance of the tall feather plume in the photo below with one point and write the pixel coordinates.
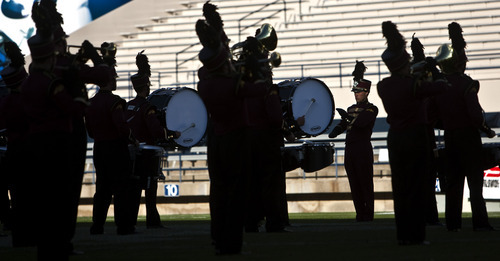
(417, 49)
(14, 53)
(42, 19)
(142, 62)
(51, 7)
(208, 36)
(359, 71)
(395, 41)
(457, 39)
(212, 16)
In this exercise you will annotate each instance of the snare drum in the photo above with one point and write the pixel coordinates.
(147, 160)
(317, 155)
(182, 110)
(307, 97)
(291, 157)
(490, 155)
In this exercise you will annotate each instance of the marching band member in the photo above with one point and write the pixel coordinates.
(358, 121)
(404, 101)
(15, 123)
(228, 148)
(419, 71)
(264, 122)
(146, 127)
(49, 107)
(462, 118)
(106, 124)
(75, 74)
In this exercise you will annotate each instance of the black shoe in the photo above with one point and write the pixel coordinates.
(454, 229)
(251, 230)
(413, 243)
(126, 231)
(481, 229)
(160, 226)
(435, 224)
(282, 230)
(225, 252)
(76, 252)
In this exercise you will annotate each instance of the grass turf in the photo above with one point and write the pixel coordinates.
(318, 236)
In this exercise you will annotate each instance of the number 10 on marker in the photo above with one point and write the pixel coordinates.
(171, 190)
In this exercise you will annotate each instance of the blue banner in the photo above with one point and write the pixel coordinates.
(17, 25)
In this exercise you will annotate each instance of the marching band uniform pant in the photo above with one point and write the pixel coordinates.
(359, 168)
(463, 155)
(114, 180)
(408, 160)
(228, 156)
(265, 181)
(21, 193)
(78, 156)
(152, 215)
(51, 194)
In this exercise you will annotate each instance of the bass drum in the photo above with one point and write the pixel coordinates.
(310, 98)
(182, 110)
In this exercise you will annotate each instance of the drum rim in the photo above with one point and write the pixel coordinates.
(176, 89)
(300, 80)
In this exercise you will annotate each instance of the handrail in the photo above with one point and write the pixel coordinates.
(239, 35)
(258, 10)
(183, 62)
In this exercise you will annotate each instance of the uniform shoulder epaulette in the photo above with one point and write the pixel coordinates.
(371, 107)
(471, 86)
(118, 102)
(56, 84)
(149, 108)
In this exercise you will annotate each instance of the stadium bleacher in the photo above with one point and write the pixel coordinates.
(316, 38)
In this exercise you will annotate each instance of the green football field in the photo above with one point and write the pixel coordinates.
(322, 236)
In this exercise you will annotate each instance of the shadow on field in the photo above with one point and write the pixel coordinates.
(331, 236)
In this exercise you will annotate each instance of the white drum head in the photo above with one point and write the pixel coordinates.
(313, 99)
(187, 114)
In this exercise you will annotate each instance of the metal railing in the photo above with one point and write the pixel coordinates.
(177, 54)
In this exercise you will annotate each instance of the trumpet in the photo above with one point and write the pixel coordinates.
(79, 47)
(107, 51)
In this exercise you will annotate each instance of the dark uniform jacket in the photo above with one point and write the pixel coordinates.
(13, 117)
(143, 121)
(404, 101)
(459, 107)
(105, 117)
(48, 104)
(360, 128)
(224, 102)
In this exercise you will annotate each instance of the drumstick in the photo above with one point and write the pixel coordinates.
(309, 106)
(190, 126)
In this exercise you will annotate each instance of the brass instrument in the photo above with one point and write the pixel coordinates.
(267, 37)
(445, 58)
(107, 50)
(252, 55)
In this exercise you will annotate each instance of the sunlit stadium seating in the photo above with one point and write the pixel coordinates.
(316, 38)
